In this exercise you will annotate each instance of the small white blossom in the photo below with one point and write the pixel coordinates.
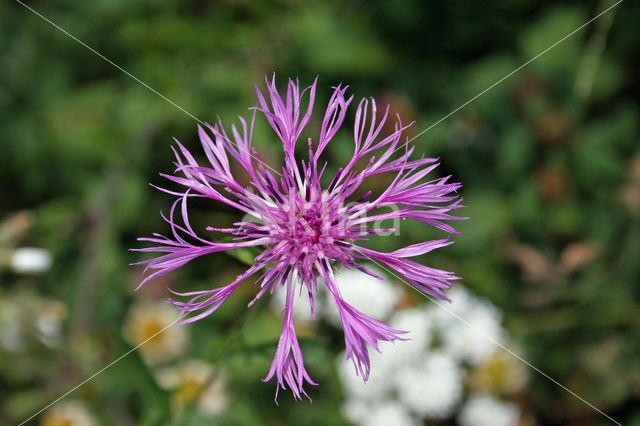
(31, 260)
(214, 400)
(486, 410)
(388, 414)
(356, 409)
(380, 381)
(431, 388)
(470, 328)
(370, 295)
(301, 306)
(418, 323)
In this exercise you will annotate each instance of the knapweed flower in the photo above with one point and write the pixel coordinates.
(307, 220)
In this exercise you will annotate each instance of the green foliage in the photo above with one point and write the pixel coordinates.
(551, 179)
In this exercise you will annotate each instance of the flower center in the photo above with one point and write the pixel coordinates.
(311, 228)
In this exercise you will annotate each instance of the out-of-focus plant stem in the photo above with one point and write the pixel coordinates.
(593, 54)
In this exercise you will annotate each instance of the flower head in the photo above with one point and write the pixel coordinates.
(307, 221)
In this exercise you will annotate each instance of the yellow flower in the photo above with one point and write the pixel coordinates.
(193, 381)
(152, 325)
(68, 413)
(500, 374)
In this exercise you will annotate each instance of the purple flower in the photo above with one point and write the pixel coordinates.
(306, 228)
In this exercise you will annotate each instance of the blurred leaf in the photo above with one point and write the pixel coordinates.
(23, 404)
(514, 156)
(483, 74)
(488, 214)
(608, 79)
(264, 329)
(597, 155)
(245, 255)
(346, 45)
(547, 31)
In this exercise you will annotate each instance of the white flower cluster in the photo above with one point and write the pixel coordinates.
(424, 377)
(368, 294)
(470, 327)
(417, 381)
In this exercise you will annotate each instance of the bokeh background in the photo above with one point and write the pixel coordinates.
(549, 159)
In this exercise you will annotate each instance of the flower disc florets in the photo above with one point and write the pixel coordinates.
(309, 229)
(306, 228)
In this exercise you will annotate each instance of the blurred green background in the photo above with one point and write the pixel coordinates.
(549, 159)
